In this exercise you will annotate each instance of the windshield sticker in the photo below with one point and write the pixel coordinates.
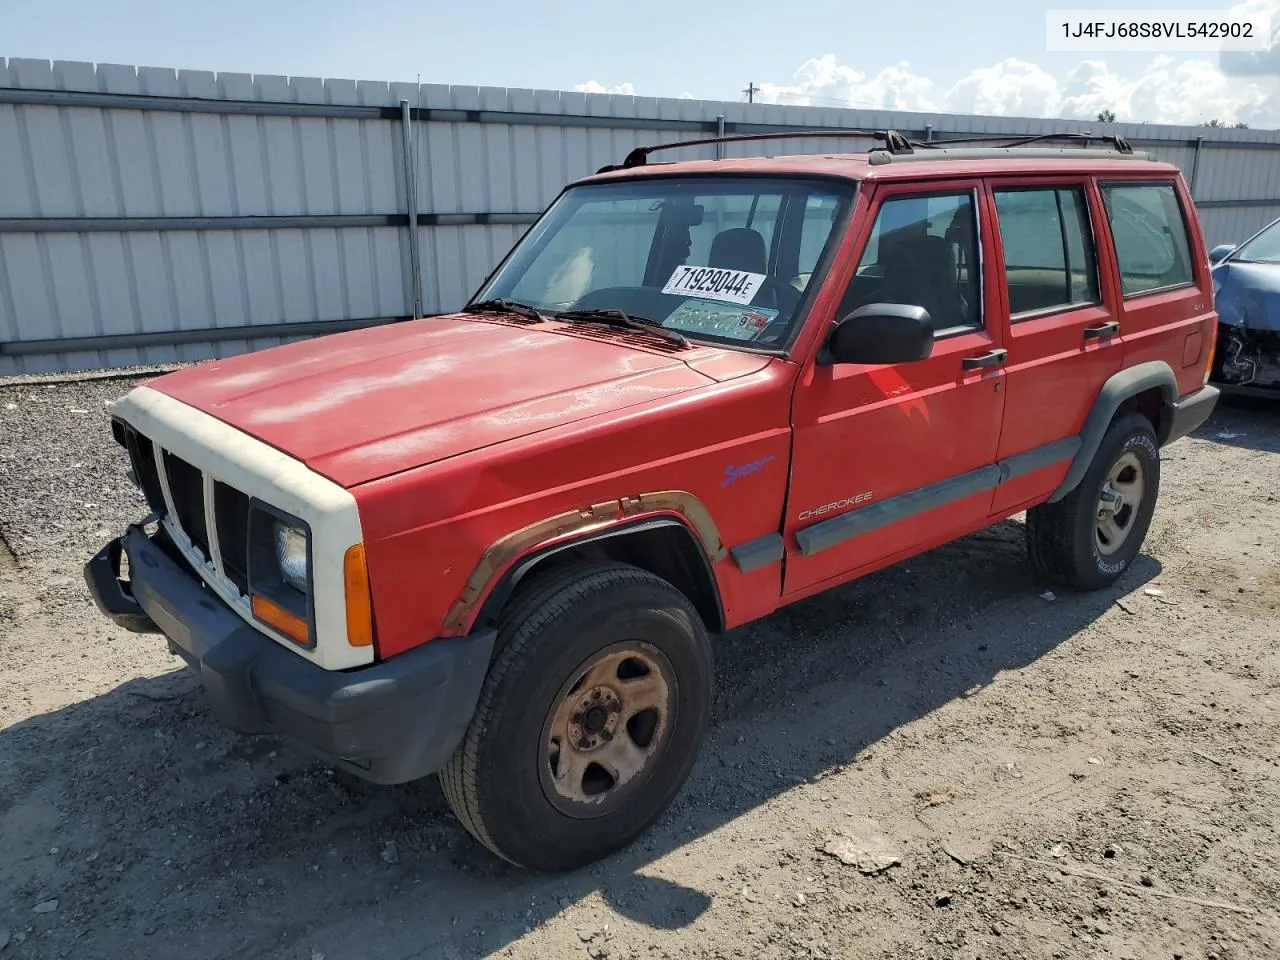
(713, 283)
(720, 319)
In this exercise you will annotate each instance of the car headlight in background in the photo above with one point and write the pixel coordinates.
(291, 555)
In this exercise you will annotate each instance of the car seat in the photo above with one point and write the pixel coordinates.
(919, 269)
(739, 248)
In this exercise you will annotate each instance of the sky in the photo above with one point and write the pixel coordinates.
(927, 55)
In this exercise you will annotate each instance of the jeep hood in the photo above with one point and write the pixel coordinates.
(362, 405)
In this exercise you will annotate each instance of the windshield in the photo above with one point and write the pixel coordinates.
(1264, 248)
(716, 258)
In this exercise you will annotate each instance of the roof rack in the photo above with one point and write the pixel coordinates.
(895, 144)
(1119, 144)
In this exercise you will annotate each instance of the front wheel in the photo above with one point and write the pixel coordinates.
(589, 720)
(1089, 538)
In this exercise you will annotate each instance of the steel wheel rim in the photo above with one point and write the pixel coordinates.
(606, 729)
(1119, 502)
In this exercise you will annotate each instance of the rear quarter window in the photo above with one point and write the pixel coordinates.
(1150, 234)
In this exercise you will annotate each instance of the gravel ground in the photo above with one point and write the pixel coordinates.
(1083, 776)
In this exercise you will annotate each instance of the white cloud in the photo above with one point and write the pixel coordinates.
(1265, 62)
(1231, 87)
(591, 86)
(1197, 90)
(1010, 88)
(1167, 90)
(824, 82)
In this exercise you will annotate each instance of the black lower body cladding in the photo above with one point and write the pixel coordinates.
(1188, 414)
(390, 722)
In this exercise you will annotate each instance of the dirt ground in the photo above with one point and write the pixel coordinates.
(1061, 777)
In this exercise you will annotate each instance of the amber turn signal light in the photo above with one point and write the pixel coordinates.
(1212, 352)
(355, 577)
(273, 615)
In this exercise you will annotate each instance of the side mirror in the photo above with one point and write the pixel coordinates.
(1219, 253)
(882, 333)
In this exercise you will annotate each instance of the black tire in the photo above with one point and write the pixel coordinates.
(501, 780)
(1063, 538)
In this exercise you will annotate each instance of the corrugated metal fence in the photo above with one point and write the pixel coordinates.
(150, 215)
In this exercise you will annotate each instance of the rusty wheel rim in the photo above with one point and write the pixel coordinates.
(607, 728)
(1118, 503)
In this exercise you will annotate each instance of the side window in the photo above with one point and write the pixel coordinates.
(923, 250)
(1150, 236)
(1048, 250)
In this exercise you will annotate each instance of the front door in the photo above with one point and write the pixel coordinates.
(890, 458)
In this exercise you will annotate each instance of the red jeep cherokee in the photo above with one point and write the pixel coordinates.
(494, 544)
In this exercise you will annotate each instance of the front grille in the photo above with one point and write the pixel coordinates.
(142, 457)
(213, 535)
(186, 488)
(231, 516)
(185, 483)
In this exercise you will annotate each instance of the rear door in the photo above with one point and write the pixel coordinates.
(1166, 310)
(1064, 336)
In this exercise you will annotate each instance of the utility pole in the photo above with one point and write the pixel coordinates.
(751, 92)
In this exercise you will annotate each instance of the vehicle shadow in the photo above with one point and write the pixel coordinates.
(1248, 422)
(174, 838)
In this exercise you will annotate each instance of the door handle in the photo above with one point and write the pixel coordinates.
(991, 359)
(1109, 329)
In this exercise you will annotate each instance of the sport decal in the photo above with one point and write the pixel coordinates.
(732, 473)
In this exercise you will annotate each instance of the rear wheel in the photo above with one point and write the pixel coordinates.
(589, 721)
(1089, 538)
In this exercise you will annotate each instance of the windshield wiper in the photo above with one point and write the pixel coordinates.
(617, 318)
(504, 306)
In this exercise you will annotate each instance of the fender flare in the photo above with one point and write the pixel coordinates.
(507, 561)
(1119, 388)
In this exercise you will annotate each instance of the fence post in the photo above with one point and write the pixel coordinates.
(411, 201)
(1195, 167)
(720, 133)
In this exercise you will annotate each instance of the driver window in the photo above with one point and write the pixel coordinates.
(923, 251)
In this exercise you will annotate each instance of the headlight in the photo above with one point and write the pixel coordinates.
(291, 555)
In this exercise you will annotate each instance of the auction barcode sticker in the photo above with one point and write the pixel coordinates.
(1157, 31)
(714, 283)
